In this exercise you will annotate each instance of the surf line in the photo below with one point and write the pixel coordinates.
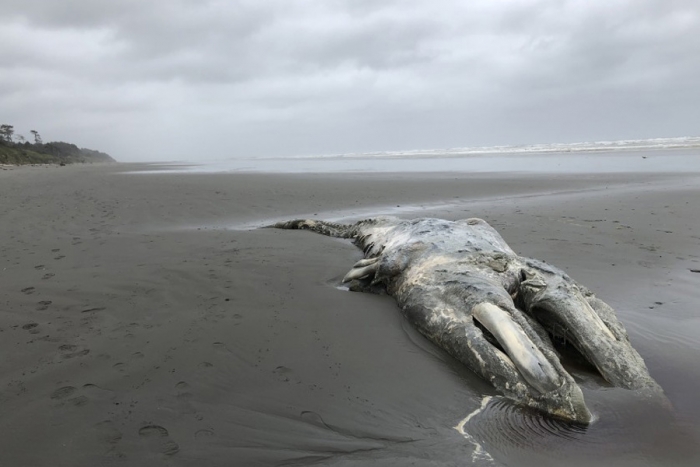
(479, 453)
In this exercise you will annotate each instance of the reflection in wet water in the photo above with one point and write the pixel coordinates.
(629, 429)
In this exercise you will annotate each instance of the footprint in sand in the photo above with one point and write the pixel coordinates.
(122, 367)
(183, 395)
(203, 435)
(284, 374)
(153, 431)
(28, 290)
(107, 433)
(221, 347)
(65, 395)
(95, 392)
(158, 439)
(48, 275)
(72, 351)
(62, 393)
(43, 305)
(33, 328)
(72, 396)
(182, 391)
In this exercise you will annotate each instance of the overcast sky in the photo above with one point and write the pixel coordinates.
(194, 79)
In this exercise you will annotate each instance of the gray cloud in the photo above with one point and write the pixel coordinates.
(190, 79)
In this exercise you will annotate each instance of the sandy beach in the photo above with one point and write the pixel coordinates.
(145, 320)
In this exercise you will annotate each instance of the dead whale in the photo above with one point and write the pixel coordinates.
(466, 290)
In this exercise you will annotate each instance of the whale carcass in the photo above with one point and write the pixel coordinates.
(466, 290)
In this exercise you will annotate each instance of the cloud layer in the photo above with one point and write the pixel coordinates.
(188, 79)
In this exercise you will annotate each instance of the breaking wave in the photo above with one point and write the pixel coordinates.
(597, 146)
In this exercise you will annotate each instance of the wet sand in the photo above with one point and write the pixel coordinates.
(143, 322)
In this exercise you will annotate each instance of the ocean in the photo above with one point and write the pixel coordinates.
(640, 156)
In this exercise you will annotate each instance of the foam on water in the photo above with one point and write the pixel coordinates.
(479, 453)
(597, 146)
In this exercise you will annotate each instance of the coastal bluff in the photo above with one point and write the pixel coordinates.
(55, 152)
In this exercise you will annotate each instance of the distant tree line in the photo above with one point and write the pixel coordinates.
(16, 150)
(7, 133)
